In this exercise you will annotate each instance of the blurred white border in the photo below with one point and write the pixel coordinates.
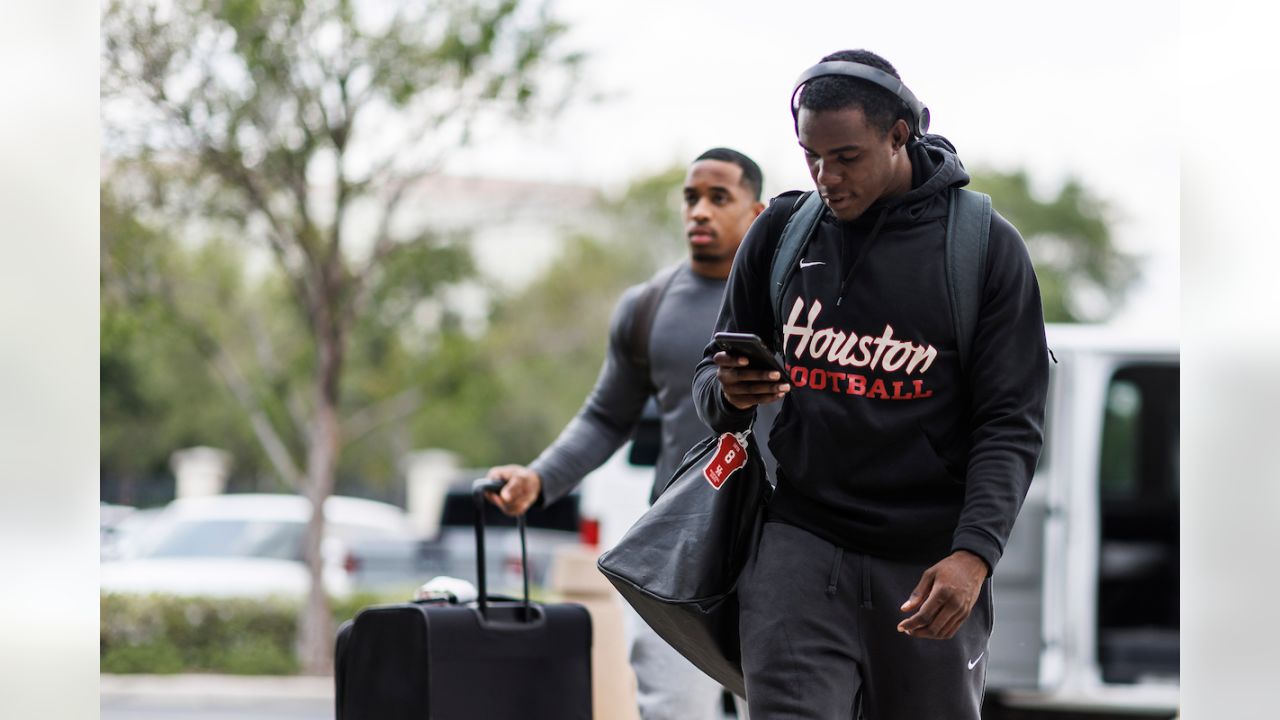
(48, 360)
(1231, 353)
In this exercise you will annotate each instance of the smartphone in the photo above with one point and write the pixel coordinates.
(752, 348)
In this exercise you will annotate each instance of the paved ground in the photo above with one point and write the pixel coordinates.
(215, 697)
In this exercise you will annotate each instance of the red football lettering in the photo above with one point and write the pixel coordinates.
(799, 376)
(836, 377)
(857, 385)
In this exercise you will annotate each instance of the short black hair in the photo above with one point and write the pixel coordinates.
(752, 178)
(834, 92)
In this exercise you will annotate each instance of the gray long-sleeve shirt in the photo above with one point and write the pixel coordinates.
(682, 327)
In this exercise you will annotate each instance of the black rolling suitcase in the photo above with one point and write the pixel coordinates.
(494, 659)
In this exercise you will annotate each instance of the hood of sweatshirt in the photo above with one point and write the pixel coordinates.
(935, 168)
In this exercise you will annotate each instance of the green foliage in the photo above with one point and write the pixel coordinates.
(417, 271)
(645, 219)
(269, 121)
(1083, 276)
(162, 634)
(161, 391)
(281, 122)
(156, 392)
(504, 396)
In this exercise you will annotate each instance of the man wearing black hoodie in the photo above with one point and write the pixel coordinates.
(900, 468)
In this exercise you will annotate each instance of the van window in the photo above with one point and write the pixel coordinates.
(1138, 508)
(1118, 474)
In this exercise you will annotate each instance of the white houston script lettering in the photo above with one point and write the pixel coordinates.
(848, 349)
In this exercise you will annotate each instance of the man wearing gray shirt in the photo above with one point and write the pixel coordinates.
(721, 199)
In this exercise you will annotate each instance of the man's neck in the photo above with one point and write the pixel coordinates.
(902, 175)
(711, 270)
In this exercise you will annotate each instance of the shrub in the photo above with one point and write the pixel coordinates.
(160, 634)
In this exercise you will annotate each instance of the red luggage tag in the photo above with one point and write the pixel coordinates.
(730, 456)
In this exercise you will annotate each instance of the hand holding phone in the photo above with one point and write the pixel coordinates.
(752, 348)
(763, 380)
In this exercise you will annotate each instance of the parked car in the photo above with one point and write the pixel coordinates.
(453, 551)
(251, 545)
(119, 529)
(110, 517)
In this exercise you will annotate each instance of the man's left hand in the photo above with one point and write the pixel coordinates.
(944, 597)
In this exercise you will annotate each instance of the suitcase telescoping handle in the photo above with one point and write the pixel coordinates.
(478, 489)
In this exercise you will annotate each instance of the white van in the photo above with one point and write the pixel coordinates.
(1086, 593)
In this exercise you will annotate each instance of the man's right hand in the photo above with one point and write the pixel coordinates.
(520, 492)
(745, 387)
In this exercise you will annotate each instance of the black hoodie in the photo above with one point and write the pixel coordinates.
(884, 445)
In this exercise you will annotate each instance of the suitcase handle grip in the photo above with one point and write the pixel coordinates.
(478, 490)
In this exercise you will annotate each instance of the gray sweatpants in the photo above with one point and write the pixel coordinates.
(668, 686)
(820, 639)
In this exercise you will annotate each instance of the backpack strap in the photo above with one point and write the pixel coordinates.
(800, 222)
(646, 309)
(968, 230)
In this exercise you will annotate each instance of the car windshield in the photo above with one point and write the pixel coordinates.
(229, 538)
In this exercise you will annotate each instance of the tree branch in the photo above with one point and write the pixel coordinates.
(268, 438)
(265, 352)
(222, 362)
(366, 420)
(225, 165)
(236, 175)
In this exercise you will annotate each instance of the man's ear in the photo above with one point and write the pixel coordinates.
(900, 133)
(757, 209)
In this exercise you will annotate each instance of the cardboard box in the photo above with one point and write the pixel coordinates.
(575, 578)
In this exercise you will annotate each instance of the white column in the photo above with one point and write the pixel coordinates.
(428, 474)
(200, 471)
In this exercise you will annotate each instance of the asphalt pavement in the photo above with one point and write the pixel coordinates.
(215, 697)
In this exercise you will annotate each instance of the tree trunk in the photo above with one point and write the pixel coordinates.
(316, 630)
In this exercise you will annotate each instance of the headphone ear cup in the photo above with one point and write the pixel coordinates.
(924, 122)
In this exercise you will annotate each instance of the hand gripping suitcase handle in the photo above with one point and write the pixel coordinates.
(478, 489)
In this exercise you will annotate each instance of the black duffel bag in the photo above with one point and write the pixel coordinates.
(678, 565)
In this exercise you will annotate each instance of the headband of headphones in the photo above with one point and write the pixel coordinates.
(919, 113)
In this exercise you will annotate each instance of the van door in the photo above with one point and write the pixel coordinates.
(1137, 634)
(1025, 652)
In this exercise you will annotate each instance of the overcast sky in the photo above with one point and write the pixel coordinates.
(1083, 88)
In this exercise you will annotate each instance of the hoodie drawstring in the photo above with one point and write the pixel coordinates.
(862, 253)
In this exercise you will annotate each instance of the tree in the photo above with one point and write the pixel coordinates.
(504, 396)
(1083, 276)
(286, 123)
(156, 392)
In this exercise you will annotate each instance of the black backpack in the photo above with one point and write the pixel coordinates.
(642, 320)
(968, 230)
